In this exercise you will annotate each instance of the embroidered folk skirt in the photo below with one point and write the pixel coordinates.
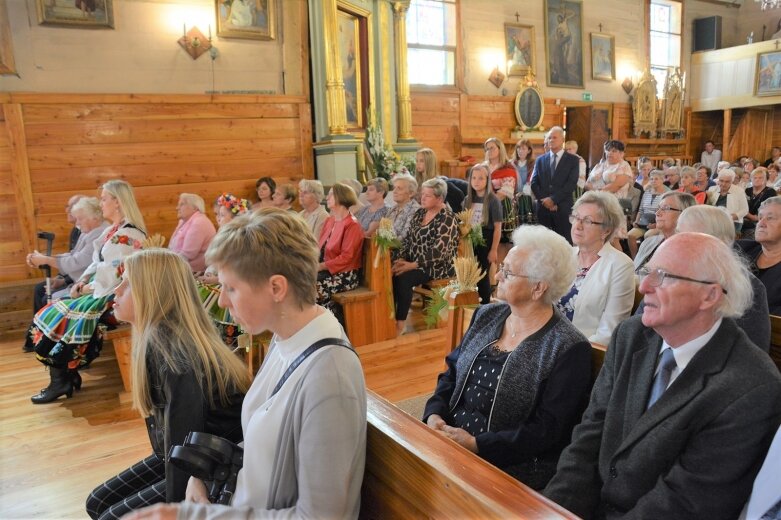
(65, 333)
(228, 329)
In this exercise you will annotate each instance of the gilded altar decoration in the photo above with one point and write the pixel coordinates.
(671, 118)
(644, 106)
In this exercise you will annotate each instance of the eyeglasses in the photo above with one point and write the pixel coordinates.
(656, 277)
(586, 221)
(664, 209)
(506, 273)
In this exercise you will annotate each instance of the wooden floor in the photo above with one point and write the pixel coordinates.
(52, 456)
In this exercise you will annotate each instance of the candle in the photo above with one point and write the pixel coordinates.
(184, 31)
(210, 32)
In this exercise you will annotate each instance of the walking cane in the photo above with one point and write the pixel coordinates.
(47, 270)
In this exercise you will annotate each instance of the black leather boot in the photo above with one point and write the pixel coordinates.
(60, 384)
(75, 378)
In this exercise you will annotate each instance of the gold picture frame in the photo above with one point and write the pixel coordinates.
(245, 19)
(520, 49)
(767, 79)
(564, 43)
(88, 14)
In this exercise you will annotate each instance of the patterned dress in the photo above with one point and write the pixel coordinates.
(432, 245)
(65, 333)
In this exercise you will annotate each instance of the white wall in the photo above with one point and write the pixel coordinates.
(141, 54)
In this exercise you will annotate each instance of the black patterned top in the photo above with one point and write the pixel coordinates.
(432, 245)
(474, 408)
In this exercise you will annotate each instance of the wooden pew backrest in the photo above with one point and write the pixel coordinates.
(775, 340)
(414, 472)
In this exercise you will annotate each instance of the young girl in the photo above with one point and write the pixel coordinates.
(184, 378)
(487, 211)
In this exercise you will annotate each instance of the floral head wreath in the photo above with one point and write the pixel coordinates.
(234, 204)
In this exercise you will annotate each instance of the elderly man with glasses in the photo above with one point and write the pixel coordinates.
(685, 406)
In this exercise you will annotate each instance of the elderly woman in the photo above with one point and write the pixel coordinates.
(716, 222)
(756, 194)
(341, 246)
(646, 214)
(727, 195)
(71, 265)
(764, 252)
(265, 188)
(310, 196)
(704, 182)
(644, 168)
(513, 389)
(184, 379)
(604, 288)
(305, 429)
(671, 205)
(284, 196)
(688, 184)
(405, 188)
(428, 249)
(65, 334)
(612, 174)
(369, 216)
(194, 232)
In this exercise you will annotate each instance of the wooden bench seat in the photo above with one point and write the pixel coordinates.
(16, 307)
(122, 340)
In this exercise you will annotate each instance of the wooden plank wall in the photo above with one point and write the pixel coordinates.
(705, 126)
(61, 145)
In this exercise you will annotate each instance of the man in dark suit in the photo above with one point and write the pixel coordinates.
(685, 406)
(553, 182)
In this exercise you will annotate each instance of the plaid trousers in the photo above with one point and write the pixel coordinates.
(141, 485)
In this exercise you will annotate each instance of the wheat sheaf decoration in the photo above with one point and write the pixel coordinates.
(468, 273)
(156, 240)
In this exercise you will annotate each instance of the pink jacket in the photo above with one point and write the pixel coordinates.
(191, 238)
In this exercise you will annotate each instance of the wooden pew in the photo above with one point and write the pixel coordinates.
(368, 310)
(16, 307)
(122, 340)
(775, 340)
(414, 472)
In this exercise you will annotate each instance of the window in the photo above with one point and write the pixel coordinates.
(665, 39)
(431, 42)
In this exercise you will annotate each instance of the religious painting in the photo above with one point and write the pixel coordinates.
(603, 57)
(93, 14)
(7, 64)
(247, 19)
(564, 43)
(768, 75)
(519, 47)
(353, 48)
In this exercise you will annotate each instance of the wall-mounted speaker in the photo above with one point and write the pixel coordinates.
(707, 34)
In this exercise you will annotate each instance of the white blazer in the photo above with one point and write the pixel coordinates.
(606, 296)
(766, 492)
(737, 202)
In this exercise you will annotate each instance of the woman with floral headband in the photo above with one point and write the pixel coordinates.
(65, 334)
(227, 208)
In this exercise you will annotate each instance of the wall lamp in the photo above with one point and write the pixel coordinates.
(195, 43)
(627, 85)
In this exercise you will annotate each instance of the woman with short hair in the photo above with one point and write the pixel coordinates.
(764, 252)
(284, 196)
(304, 430)
(65, 335)
(704, 182)
(514, 387)
(341, 246)
(265, 188)
(310, 196)
(428, 249)
(756, 194)
(728, 195)
(671, 204)
(370, 215)
(405, 188)
(646, 214)
(604, 288)
(184, 379)
(193, 233)
(688, 184)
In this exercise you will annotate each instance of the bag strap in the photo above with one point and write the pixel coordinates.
(305, 354)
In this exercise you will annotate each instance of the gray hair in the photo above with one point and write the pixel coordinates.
(412, 183)
(193, 200)
(711, 220)
(656, 173)
(355, 184)
(90, 206)
(721, 264)
(610, 212)
(312, 186)
(684, 200)
(772, 200)
(727, 173)
(688, 171)
(438, 186)
(556, 129)
(549, 259)
(379, 184)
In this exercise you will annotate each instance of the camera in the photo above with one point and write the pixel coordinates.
(214, 460)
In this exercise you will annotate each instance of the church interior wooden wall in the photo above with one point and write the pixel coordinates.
(58, 145)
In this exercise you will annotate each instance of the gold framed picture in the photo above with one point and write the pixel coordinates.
(84, 14)
(246, 19)
(520, 48)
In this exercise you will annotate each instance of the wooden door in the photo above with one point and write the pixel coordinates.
(600, 132)
(579, 129)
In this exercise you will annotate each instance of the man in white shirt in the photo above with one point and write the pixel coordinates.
(685, 406)
(710, 157)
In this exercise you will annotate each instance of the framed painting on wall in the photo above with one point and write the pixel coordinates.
(564, 43)
(519, 47)
(768, 75)
(90, 14)
(353, 49)
(603, 57)
(247, 19)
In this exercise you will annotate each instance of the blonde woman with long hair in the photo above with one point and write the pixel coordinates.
(65, 334)
(184, 378)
